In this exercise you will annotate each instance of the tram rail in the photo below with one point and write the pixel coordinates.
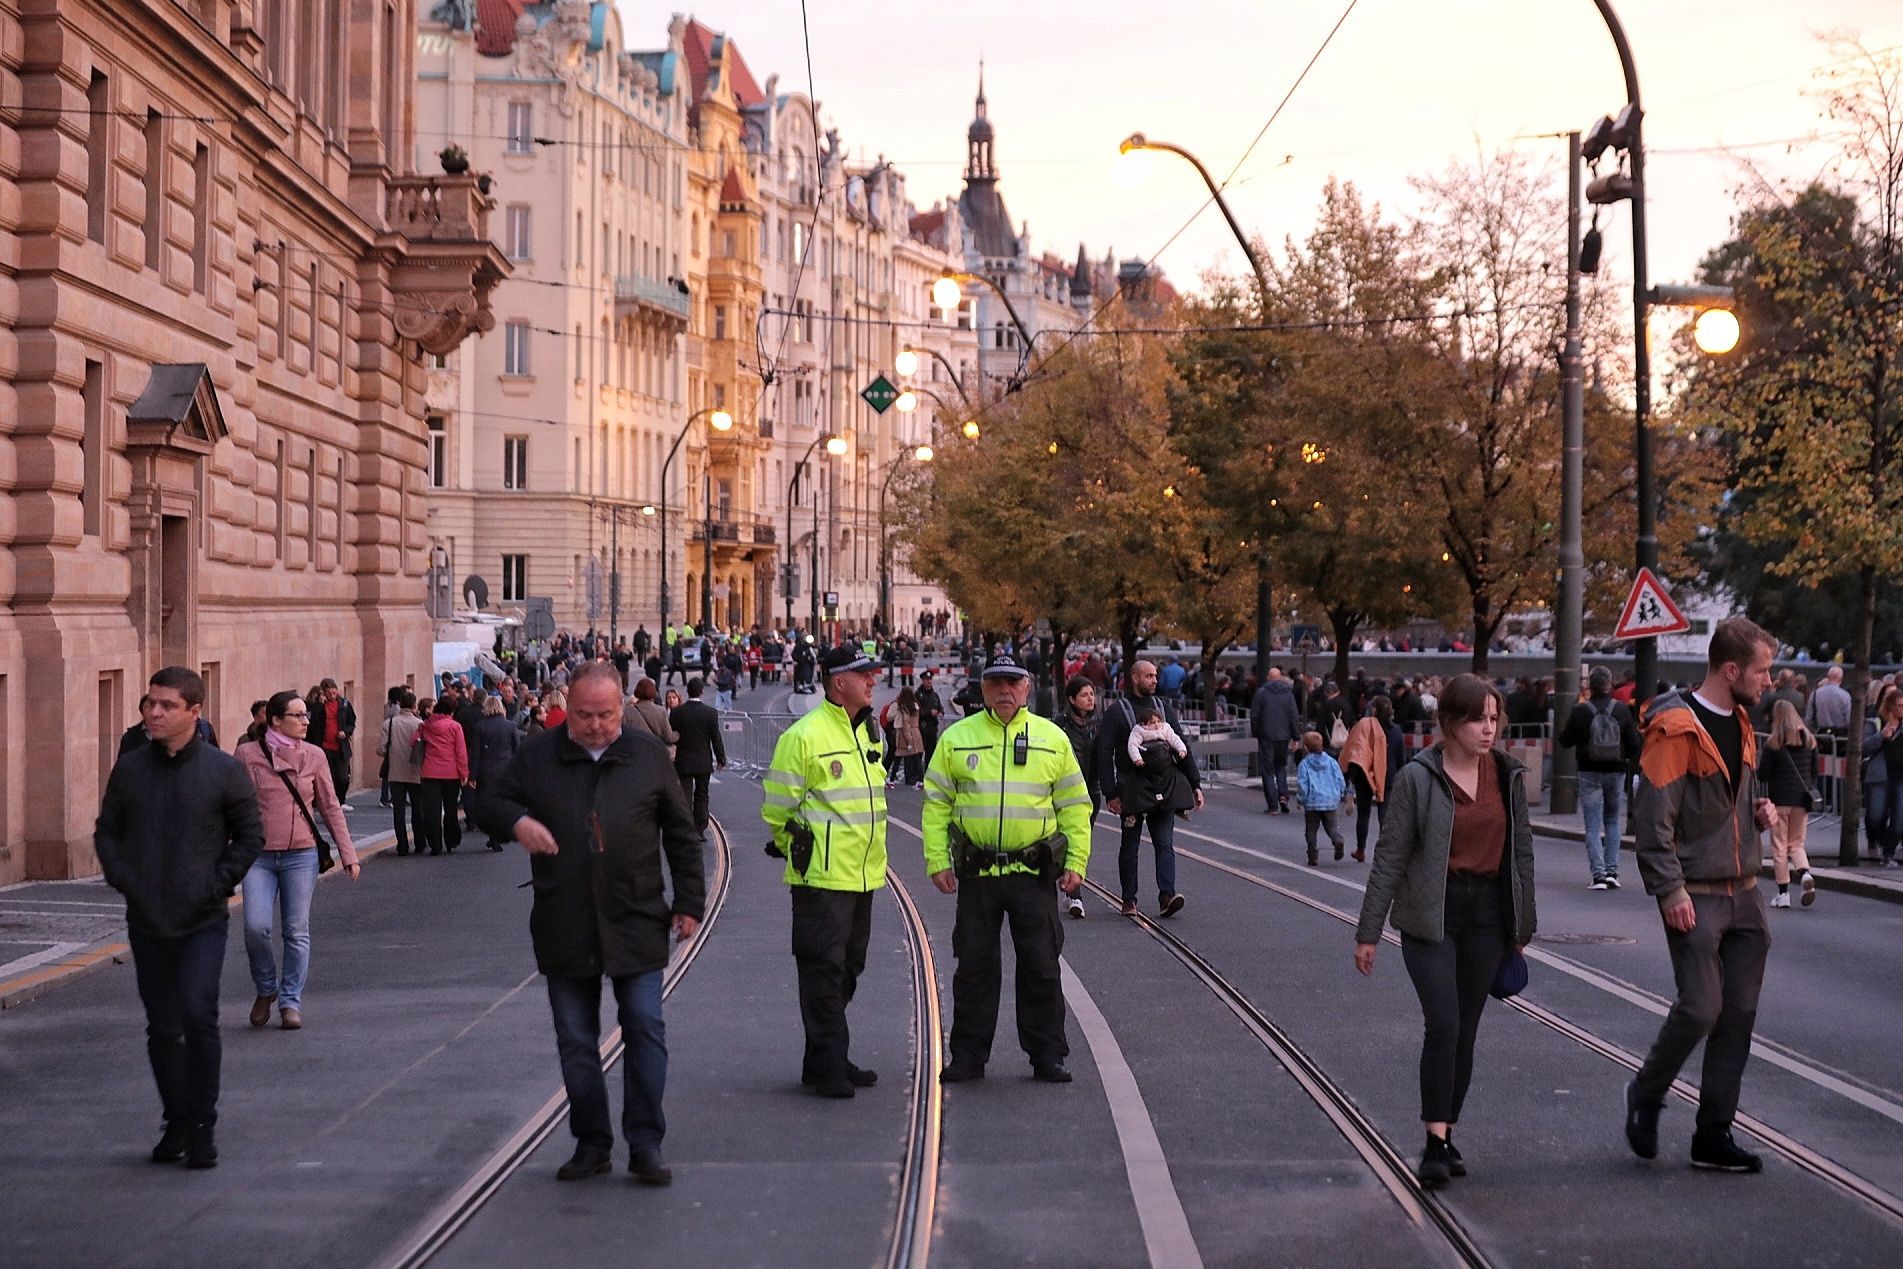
(443, 1223)
(911, 1243)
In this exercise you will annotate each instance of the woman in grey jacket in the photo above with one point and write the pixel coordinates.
(1454, 863)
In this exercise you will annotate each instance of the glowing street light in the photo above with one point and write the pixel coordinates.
(837, 446)
(907, 401)
(720, 421)
(924, 454)
(906, 363)
(970, 429)
(948, 293)
(1715, 331)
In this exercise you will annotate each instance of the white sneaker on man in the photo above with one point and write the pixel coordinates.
(1781, 900)
(1807, 889)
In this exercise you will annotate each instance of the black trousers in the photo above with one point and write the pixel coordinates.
(436, 823)
(695, 787)
(406, 810)
(1037, 939)
(339, 761)
(1364, 805)
(178, 985)
(1719, 967)
(831, 929)
(1452, 978)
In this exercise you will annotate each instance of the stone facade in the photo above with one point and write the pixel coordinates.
(549, 435)
(218, 279)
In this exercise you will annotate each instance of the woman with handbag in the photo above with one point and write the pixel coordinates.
(292, 779)
(445, 769)
(1454, 863)
(1788, 769)
(402, 752)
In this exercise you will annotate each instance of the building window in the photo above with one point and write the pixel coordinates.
(517, 235)
(515, 462)
(720, 321)
(515, 578)
(99, 123)
(93, 447)
(521, 127)
(154, 190)
(201, 225)
(728, 245)
(515, 348)
(438, 452)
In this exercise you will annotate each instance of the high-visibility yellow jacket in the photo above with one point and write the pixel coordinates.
(827, 773)
(975, 782)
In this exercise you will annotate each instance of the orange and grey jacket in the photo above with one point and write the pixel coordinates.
(1693, 833)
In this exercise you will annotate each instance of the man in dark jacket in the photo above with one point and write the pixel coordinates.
(468, 716)
(699, 749)
(931, 713)
(1326, 708)
(178, 828)
(333, 723)
(1275, 723)
(1115, 773)
(597, 808)
(1602, 768)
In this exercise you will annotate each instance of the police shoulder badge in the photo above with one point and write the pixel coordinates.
(839, 768)
(971, 762)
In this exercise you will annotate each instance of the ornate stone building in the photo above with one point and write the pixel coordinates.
(220, 273)
(549, 436)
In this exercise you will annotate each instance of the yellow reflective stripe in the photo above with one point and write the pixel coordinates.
(1071, 781)
(776, 798)
(979, 811)
(790, 779)
(829, 816)
(936, 778)
(1060, 803)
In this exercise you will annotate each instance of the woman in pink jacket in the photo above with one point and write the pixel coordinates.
(286, 769)
(445, 771)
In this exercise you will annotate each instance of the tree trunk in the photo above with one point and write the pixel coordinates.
(1483, 630)
(1127, 627)
(1853, 743)
(1213, 647)
(1344, 625)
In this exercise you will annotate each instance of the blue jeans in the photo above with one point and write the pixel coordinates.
(280, 884)
(576, 1005)
(723, 701)
(1602, 806)
(1883, 815)
(1162, 825)
(1271, 759)
(178, 985)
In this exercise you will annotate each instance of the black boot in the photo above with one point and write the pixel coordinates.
(201, 1147)
(1718, 1151)
(1434, 1169)
(1456, 1165)
(1641, 1124)
(171, 1147)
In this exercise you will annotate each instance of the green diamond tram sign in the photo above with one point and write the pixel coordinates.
(879, 394)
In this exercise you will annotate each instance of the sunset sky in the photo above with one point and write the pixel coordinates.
(1406, 87)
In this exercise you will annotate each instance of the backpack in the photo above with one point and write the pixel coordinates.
(1338, 734)
(1605, 740)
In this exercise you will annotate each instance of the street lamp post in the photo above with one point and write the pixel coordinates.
(948, 291)
(950, 372)
(922, 454)
(835, 445)
(1572, 556)
(720, 421)
(1264, 596)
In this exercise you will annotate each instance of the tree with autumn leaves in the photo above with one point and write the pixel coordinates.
(1810, 406)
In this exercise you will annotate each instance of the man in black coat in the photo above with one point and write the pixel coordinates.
(468, 716)
(598, 808)
(699, 749)
(1275, 722)
(178, 828)
(1116, 774)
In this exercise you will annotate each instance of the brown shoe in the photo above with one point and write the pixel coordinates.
(261, 1009)
(290, 1020)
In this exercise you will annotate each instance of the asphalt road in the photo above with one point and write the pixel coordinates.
(427, 1046)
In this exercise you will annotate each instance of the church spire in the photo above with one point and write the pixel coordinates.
(980, 164)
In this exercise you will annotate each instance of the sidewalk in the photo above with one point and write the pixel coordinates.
(52, 932)
(1872, 883)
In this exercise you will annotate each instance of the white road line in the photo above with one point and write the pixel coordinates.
(66, 903)
(1767, 1050)
(1159, 1208)
(53, 953)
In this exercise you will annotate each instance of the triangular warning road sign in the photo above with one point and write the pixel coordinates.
(1649, 610)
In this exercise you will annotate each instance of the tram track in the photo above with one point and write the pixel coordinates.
(1422, 1208)
(911, 1243)
(1792, 1151)
(443, 1223)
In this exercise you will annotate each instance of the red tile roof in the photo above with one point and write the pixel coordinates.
(927, 224)
(700, 45)
(730, 189)
(495, 26)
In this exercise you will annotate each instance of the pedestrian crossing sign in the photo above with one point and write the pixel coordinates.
(1649, 610)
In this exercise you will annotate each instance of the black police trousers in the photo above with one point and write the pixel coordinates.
(831, 929)
(1037, 938)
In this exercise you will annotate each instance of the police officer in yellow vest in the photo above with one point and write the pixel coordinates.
(825, 803)
(1006, 813)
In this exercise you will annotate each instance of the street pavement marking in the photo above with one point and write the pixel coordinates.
(1769, 1050)
(1159, 1208)
(28, 961)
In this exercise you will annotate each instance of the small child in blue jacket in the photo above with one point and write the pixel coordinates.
(1320, 780)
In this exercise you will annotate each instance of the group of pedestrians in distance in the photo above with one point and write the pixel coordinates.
(1453, 872)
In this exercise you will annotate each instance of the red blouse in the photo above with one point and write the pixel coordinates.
(1480, 824)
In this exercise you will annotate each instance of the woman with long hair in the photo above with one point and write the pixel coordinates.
(908, 742)
(292, 779)
(1787, 769)
(1453, 869)
(1370, 759)
(1883, 774)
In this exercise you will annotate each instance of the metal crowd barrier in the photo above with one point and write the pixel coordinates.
(750, 739)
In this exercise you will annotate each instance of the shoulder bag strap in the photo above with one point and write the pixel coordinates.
(1786, 751)
(317, 835)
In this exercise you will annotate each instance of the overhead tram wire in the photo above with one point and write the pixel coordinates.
(769, 367)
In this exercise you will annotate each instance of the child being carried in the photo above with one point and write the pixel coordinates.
(1154, 748)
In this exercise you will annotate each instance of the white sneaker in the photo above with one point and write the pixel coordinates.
(1781, 901)
(1612, 881)
(1076, 906)
(1598, 883)
(1807, 886)
(346, 807)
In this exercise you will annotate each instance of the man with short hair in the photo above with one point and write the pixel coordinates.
(1697, 817)
(1607, 739)
(178, 828)
(699, 748)
(597, 807)
(1117, 775)
(333, 723)
(1276, 723)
